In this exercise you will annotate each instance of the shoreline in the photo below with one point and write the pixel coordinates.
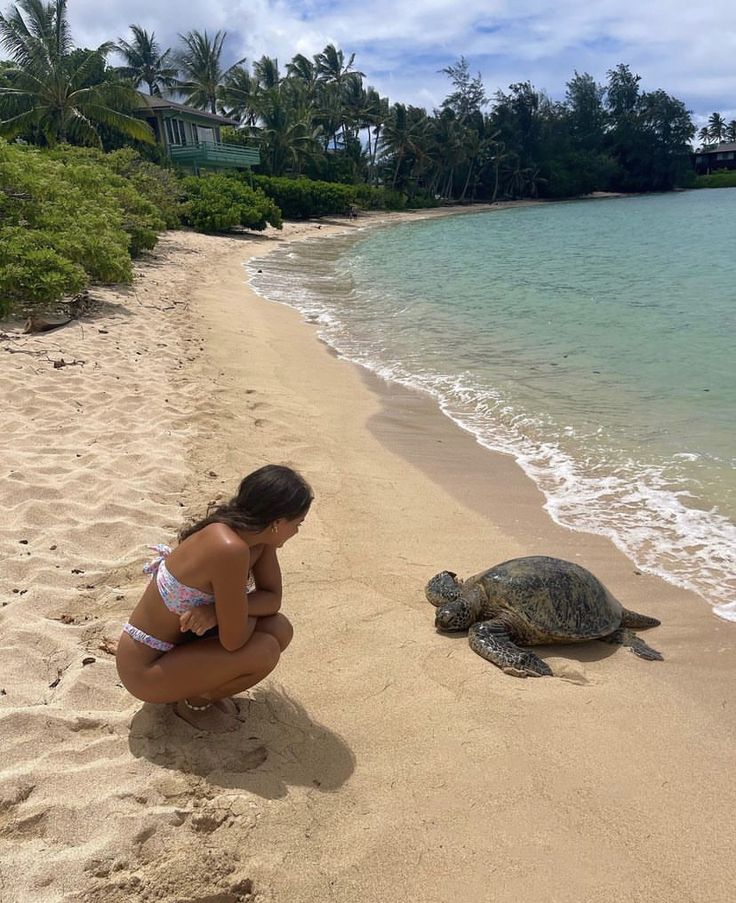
(383, 761)
(660, 566)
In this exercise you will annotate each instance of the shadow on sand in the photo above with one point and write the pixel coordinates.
(278, 745)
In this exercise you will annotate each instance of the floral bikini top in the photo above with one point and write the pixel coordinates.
(178, 597)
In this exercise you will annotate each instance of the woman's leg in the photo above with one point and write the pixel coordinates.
(195, 670)
(277, 626)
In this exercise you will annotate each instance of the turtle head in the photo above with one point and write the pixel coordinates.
(461, 612)
(443, 588)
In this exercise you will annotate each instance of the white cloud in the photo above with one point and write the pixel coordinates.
(401, 44)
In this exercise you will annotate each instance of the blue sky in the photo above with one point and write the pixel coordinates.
(687, 49)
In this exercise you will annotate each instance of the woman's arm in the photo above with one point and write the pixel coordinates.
(266, 599)
(230, 566)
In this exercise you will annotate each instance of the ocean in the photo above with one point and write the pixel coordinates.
(593, 340)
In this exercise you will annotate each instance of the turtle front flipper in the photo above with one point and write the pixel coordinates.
(491, 640)
(625, 637)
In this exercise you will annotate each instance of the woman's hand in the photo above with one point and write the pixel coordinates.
(199, 620)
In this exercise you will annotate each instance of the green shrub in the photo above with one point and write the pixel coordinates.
(304, 198)
(162, 187)
(723, 179)
(66, 218)
(33, 273)
(95, 172)
(219, 202)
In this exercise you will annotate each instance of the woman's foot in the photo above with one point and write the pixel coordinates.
(212, 718)
(227, 705)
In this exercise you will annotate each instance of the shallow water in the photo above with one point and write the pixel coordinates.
(592, 339)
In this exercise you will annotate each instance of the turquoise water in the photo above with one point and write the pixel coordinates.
(592, 339)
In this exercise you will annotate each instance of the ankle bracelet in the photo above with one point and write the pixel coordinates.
(197, 708)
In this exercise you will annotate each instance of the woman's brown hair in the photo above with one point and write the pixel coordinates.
(268, 494)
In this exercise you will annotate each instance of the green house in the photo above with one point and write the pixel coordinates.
(191, 137)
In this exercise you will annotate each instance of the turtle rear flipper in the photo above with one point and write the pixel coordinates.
(491, 640)
(636, 621)
(625, 637)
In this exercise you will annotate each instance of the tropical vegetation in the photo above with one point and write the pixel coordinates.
(716, 131)
(317, 118)
(71, 216)
(328, 143)
(52, 92)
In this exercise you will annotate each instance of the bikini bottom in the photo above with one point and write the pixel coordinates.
(140, 636)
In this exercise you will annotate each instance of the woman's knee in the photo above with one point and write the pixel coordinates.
(277, 626)
(267, 651)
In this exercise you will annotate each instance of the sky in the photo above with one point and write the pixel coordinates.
(401, 46)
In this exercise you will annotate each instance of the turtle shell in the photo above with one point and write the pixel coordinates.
(549, 596)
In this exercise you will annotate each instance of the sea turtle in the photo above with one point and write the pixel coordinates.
(532, 601)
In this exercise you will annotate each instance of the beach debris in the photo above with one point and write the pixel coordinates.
(57, 363)
(77, 571)
(533, 601)
(57, 680)
(34, 323)
(89, 660)
(63, 363)
(63, 313)
(107, 645)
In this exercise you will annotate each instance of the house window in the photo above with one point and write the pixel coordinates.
(175, 131)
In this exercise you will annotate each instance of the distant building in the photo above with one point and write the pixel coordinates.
(720, 156)
(191, 137)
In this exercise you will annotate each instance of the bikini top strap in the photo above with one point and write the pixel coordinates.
(163, 553)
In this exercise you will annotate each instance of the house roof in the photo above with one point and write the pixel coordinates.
(156, 103)
(719, 148)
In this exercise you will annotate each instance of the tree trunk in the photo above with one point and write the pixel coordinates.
(467, 182)
(495, 186)
(396, 171)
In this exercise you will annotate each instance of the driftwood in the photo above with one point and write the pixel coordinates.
(73, 309)
(35, 323)
(57, 362)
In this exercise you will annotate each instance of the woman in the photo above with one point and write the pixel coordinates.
(225, 571)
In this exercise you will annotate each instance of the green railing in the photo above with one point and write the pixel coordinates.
(215, 155)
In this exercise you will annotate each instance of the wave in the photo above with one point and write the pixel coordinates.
(631, 502)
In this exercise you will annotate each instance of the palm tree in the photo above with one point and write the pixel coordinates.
(266, 73)
(286, 142)
(376, 114)
(145, 62)
(336, 77)
(402, 134)
(731, 131)
(704, 135)
(48, 90)
(239, 96)
(303, 70)
(499, 157)
(331, 65)
(716, 127)
(200, 64)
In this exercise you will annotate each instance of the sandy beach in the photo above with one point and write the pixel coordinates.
(382, 762)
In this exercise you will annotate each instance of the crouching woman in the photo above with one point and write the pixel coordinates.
(223, 578)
